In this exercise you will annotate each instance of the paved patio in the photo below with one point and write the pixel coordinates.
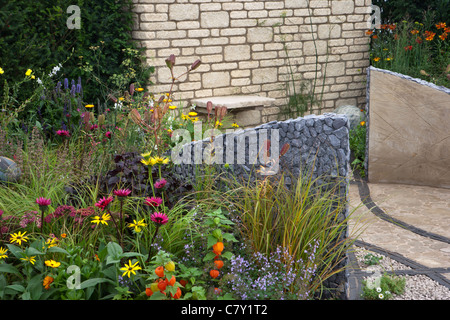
(410, 224)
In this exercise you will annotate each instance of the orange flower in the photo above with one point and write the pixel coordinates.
(47, 281)
(172, 281)
(392, 26)
(376, 59)
(148, 292)
(177, 294)
(441, 25)
(374, 36)
(218, 248)
(429, 36)
(183, 282)
(218, 263)
(419, 40)
(369, 32)
(162, 284)
(214, 273)
(362, 123)
(414, 31)
(443, 36)
(160, 271)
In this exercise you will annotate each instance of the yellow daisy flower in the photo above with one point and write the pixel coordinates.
(31, 260)
(3, 254)
(137, 225)
(19, 237)
(52, 263)
(103, 219)
(130, 268)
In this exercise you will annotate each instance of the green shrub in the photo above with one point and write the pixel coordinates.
(34, 35)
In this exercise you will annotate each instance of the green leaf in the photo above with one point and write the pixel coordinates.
(209, 256)
(16, 287)
(211, 241)
(7, 268)
(227, 255)
(229, 237)
(158, 296)
(15, 250)
(93, 282)
(57, 250)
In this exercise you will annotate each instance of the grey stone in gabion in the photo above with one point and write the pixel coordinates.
(338, 123)
(341, 132)
(335, 142)
(353, 113)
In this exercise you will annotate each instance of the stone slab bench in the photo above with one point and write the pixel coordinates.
(246, 110)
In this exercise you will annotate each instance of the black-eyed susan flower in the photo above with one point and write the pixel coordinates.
(235, 125)
(103, 219)
(192, 114)
(89, 106)
(172, 107)
(130, 268)
(31, 259)
(19, 237)
(137, 225)
(3, 254)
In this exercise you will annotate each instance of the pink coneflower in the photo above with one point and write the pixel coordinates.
(153, 201)
(108, 134)
(43, 202)
(103, 203)
(159, 218)
(160, 183)
(63, 133)
(122, 192)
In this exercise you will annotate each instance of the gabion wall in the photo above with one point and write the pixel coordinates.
(318, 147)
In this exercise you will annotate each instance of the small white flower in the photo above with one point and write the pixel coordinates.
(380, 296)
(378, 289)
(387, 292)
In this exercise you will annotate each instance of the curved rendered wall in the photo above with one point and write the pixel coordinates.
(409, 130)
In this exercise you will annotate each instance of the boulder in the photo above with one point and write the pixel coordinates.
(353, 113)
(9, 171)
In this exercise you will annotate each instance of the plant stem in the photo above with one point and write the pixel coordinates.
(150, 246)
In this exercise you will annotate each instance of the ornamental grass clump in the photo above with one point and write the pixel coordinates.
(298, 217)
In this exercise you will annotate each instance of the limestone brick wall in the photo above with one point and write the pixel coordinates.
(242, 44)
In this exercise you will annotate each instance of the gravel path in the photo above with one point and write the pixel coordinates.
(417, 287)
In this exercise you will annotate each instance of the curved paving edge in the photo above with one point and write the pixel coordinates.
(355, 276)
(364, 194)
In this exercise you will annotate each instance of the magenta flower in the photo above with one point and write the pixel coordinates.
(159, 218)
(63, 133)
(153, 201)
(108, 134)
(160, 183)
(122, 192)
(103, 203)
(43, 202)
